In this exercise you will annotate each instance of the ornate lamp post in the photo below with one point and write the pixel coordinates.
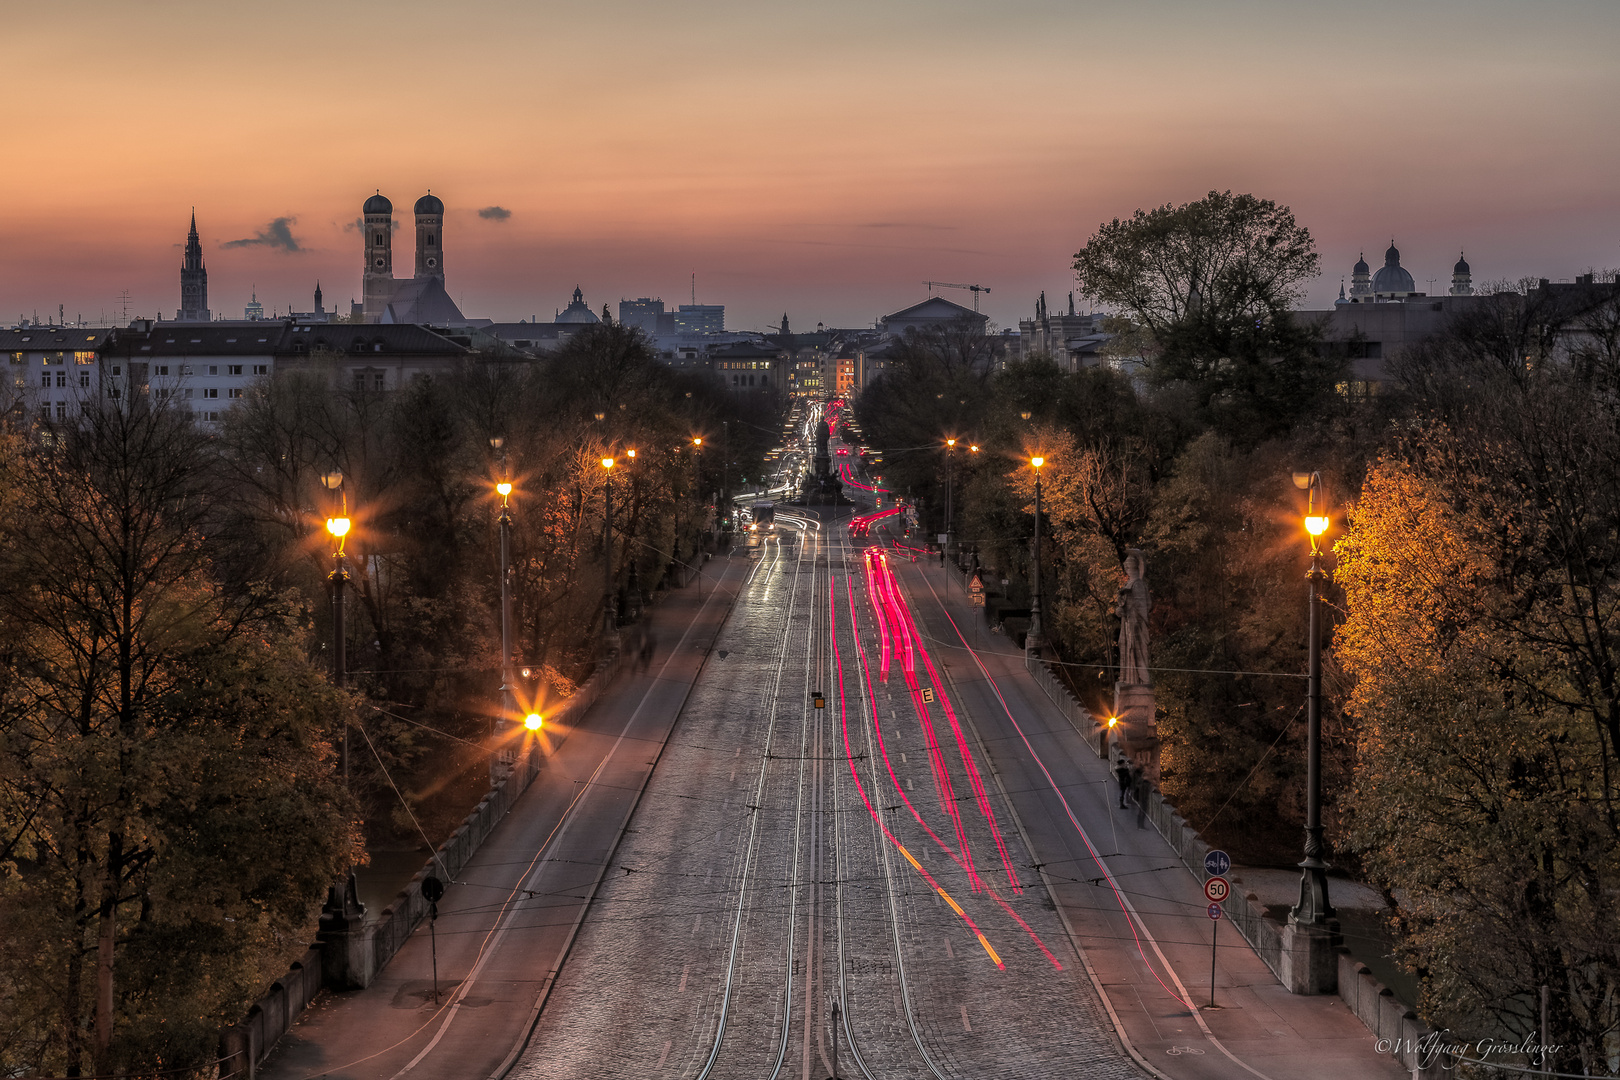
(1313, 908)
(950, 485)
(610, 631)
(508, 706)
(1034, 640)
(338, 526)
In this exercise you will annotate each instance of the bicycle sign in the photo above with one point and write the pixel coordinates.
(1217, 889)
(1217, 863)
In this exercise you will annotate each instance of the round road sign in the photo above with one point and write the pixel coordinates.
(1214, 911)
(1217, 889)
(1217, 862)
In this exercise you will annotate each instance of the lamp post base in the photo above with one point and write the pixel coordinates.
(1310, 957)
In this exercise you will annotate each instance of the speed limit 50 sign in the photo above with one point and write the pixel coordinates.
(1217, 889)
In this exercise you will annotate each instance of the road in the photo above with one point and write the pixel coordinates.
(506, 922)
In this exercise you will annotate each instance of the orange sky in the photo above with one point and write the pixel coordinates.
(820, 159)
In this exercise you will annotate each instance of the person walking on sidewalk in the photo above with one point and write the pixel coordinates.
(1122, 773)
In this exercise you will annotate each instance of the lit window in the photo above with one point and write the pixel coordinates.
(235, 392)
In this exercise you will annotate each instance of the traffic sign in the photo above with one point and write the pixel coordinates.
(1216, 862)
(1215, 911)
(1217, 889)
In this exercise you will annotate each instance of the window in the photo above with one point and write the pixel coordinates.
(84, 379)
(17, 358)
(261, 369)
(210, 392)
(380, 238)
(57, 359)
(45, 380)
(117, 370)
(163, 369)
(234, 369)
(112, 392)
(164, 393)
(235, 392)
(186, 393)
(185, 369)
(359, 380)
(379, 381)
(61, 410)
(61, 379)
(213, 369)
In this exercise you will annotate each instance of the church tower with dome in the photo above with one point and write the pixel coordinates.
(1462, 279)
(1361, 281)
(377, 218)
(429, 233)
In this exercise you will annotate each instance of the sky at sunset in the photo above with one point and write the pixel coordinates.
(818, 159)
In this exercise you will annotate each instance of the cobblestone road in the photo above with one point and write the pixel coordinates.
(756, 888)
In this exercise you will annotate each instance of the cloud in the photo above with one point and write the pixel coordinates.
(277, 234)
(494, 213)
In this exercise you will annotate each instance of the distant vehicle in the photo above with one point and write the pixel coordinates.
(764, 517)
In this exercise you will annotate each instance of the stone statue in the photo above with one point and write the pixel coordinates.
(1132, 607)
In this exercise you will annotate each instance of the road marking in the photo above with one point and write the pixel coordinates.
(911, 785)
(738, 753)
(949, 955)
(902, 759)
(733, 774)
(965, 1025)
(681, 989)
(665, 1054)
(697, 922)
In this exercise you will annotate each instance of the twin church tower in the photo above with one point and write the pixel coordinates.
(384, 294)
(420, 298)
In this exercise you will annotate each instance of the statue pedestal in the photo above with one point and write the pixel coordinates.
(1138, 730)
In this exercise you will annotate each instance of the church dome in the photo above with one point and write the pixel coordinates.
(378, 204)
(1361, 266)
(429, 204)
(1462, 265)
(578, 311)
(1392, 277)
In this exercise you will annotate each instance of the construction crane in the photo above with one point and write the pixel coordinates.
(974, 289)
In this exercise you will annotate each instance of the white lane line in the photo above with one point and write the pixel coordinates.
(733, 774)
(911, 785)
(697, 922)
(965, 1025)
(681, 989)
(949, 955)
(661, 1057)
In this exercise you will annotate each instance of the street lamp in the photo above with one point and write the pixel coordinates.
(508, 707)
(1313, 908)
(1033, 640)
(338, 526)
(609, 629)
(950, 485)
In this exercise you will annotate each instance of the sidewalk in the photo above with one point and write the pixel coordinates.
(506, 923)
(1151, 967)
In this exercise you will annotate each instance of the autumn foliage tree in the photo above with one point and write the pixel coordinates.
(1482, 578)
(168, 810)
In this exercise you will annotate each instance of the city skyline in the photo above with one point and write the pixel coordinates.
(825, 164)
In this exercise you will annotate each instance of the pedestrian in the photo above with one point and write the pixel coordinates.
(1122, 773)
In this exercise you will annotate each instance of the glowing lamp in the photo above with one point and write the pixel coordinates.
(533, 721)
(1037, 461)
(338, 527)
(1113, 721)
(504, 488)
(698, 441)
(1315, 525)
(607, 463)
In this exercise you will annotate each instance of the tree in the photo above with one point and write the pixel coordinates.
(1212, 282)
(1482, 578)
(166, 793)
